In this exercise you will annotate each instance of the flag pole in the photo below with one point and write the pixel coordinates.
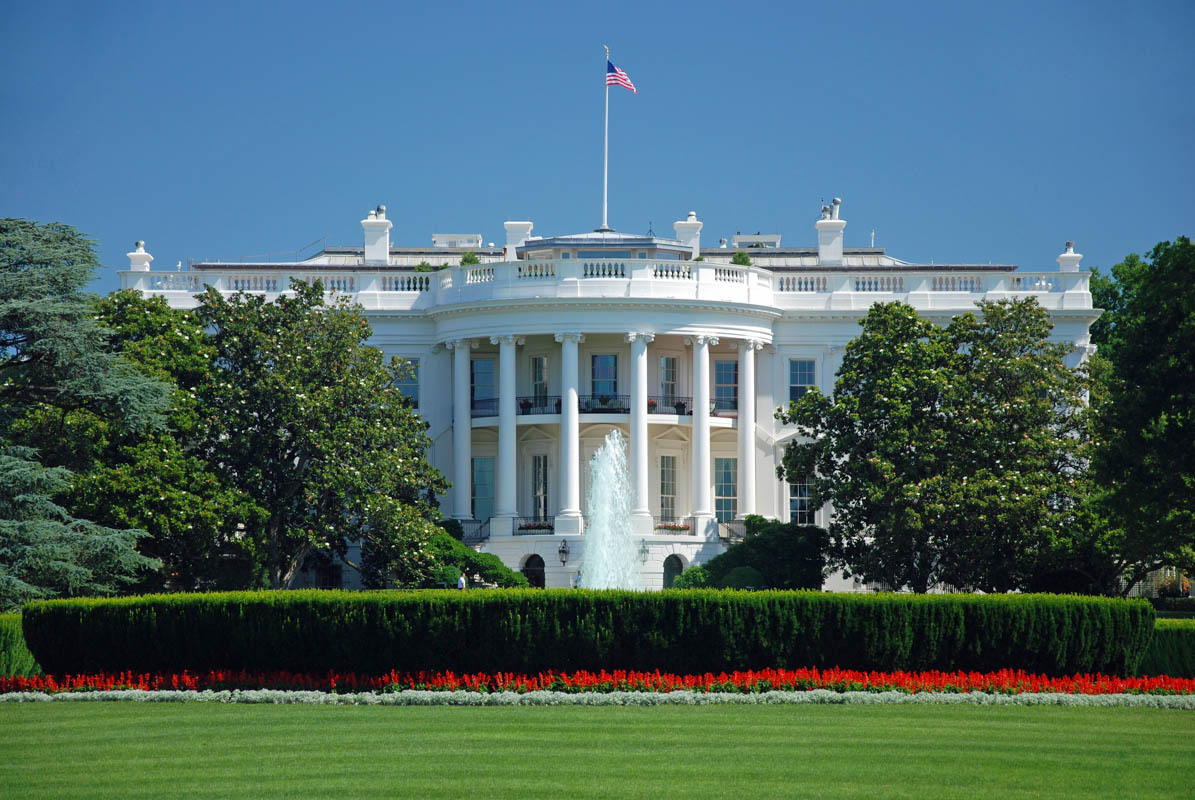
(606, 147)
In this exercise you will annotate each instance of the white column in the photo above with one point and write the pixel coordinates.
(568, 518)
(746, 487)
(641, 521)
(505, 504)
(702, 503)
(462, 432)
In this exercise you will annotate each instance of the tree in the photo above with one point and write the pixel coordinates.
(772, 555)
(469, 259)
(303, 417)
(951, 455)
(740, 258)
(56, 359)
(1145, 410)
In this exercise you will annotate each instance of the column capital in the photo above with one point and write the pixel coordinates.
(509, 338)
(750, 344)
(455, 344)
(647, 337)
(701, 340)
(570, 336)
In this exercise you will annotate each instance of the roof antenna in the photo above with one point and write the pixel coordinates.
(650, 232)
(873, 237)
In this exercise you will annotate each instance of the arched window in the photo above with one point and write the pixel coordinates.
(673, 567)
(533, 568)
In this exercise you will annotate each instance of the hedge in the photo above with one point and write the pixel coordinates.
(1180, 604)
(1171, 651)
(522, 630)
(15, 658)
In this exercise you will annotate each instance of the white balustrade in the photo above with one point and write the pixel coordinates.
(879, 283)
(402, 282)
(536, 269)
(345, 284)
(730, 275)
(252, 283)
(603, 269)
(672, 271)
(174, 281)
(801, 283)
(479, 275)
(957, 283)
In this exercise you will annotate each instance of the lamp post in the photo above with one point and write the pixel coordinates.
(643, 552)
(562, 551)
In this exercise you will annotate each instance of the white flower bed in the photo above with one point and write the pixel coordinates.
(423, 698)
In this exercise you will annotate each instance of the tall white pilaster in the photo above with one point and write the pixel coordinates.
(462, 432)
(702, 504)
(505, 504)
(641, 521)
(568, 518)
(746, 487)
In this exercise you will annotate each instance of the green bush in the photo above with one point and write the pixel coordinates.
(526, 630)
(744, 577)
(693, 578)
(782, 555)
(1173, 603)
(1171, 651)
(15, 658)
(484, 567)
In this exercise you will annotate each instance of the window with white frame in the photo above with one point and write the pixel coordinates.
(668, 376)
(726, 483)
(483, 488)
(800, 511)
(668, 487)
(800, 376)
(539, 380)
(604, 375)
(408, 384)
(726, 385)
(482, 394)
(539, 486)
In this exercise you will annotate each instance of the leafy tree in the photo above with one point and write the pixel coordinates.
(951, 455)
(303, 417)
(56, 359)
(773, 555)
(484, 567)
(740, 258)
(469, 259)
(1145, 410)
(423, 266)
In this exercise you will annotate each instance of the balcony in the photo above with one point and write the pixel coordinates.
(538, 404)
(669, 404)
(604, 403)
(534, 526)
(674, 526)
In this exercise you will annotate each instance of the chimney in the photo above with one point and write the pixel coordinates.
(1069, 261)
(689, 233)
(516, 234)
(377, 237)
(139, 259)
(829, 235)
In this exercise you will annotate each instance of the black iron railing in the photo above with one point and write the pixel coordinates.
(733, 531)
(534, 526)
(669, 404)
(541, 404)
(604, 404)
(674, 526)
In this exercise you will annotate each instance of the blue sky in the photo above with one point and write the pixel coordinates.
(961, 132)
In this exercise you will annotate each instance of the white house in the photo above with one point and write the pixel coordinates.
(528, 359)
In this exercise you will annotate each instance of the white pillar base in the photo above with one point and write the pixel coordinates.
(705, 526)
(502, 526)
(565, 524)
(642, 524)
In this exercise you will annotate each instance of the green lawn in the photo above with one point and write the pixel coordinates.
(211, 750)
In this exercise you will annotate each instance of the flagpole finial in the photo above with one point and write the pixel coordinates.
(607, 50)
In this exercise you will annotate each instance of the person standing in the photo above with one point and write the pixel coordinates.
(461, 583)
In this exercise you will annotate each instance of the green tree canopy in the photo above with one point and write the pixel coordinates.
(740, 258)
(304, 418)
(951, 455)
(1145, 410)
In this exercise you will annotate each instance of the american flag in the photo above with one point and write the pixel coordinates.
(616, 77)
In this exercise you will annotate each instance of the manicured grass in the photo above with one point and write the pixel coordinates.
(211, 750)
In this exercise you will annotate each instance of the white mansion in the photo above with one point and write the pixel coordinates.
(526, 360)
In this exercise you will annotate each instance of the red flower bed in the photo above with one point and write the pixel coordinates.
(840, 680)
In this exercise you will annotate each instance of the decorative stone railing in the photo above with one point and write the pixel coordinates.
(708, 282)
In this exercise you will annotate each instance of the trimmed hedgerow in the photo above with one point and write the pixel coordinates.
(1178, 604)
(527, 631)
(1171, 651)
(15, 658)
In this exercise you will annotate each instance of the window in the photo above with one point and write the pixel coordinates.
(667, 381)
(800, 376)
(603, 254)
(483, 488)
(408, 385)
(726, 483)
(539, 381)
(539, 487)
(605, 375)
(726, 385)
(482, 396)
(800, 512)
(668, 487)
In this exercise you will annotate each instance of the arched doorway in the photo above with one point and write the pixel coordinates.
(533, 568)
(673, 567)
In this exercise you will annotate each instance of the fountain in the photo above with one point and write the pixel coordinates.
(609, 550)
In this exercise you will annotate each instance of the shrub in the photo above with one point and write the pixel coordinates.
(524, 630)
(782, 555)
(744, 578)
(1173, 603)
(15, 658)
(484, 567)
(693, 578)
(1171, 651)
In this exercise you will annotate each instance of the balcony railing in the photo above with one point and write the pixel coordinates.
(669, 404)
(539, 404)
(474, 531)
(534, 526)
(725, 404)
(674, 526)
(732, 532)
(484, 406)
(604, 403)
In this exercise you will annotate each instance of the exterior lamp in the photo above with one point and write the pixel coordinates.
(562, 551)
(643, 552)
